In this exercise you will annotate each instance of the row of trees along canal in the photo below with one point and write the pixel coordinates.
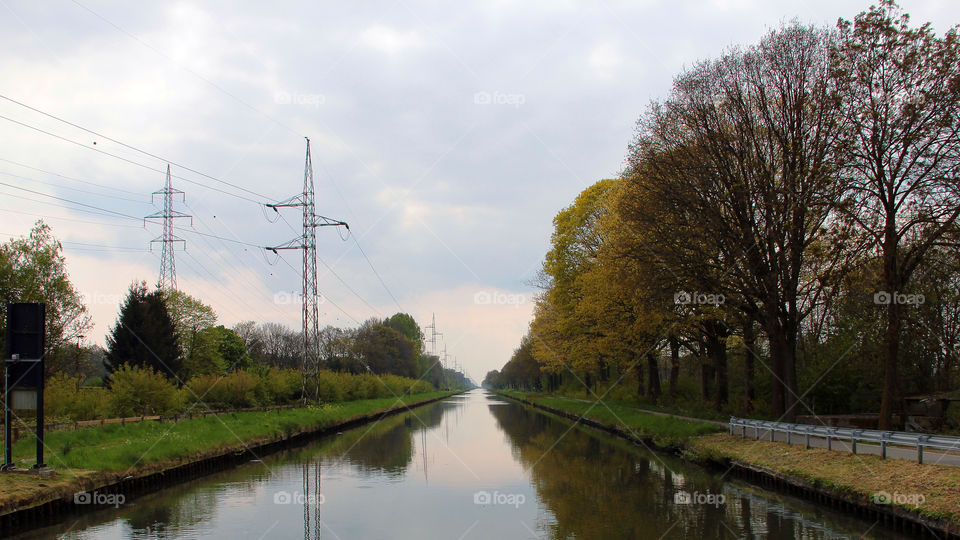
(784, 234)
(167, 352)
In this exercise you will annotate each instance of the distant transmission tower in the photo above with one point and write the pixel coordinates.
(433, 334)
(307, 241)
(168, 268)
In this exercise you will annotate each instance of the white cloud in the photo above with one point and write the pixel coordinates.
(605, 59)
(390, 40)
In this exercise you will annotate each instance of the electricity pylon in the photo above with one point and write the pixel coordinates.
(433, 333)
(168, 268)
(307, 242)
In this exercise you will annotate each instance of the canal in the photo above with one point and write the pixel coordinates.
(470, 466)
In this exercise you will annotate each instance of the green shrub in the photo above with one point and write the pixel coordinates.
(138, 391)
(62, 399)
(241, 389)
(279, 386)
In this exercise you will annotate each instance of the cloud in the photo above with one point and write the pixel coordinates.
(390, 40)
(446, 196)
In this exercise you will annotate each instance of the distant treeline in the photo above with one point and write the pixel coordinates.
(166, 350)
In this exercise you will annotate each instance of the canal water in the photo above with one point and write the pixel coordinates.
(473, 466)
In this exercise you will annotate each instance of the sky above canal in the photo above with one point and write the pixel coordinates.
(448, 135)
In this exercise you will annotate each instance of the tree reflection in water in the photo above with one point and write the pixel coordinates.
(600, 487)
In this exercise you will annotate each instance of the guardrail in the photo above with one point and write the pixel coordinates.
(920, 441)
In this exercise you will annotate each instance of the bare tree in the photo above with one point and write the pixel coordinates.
(900, 91)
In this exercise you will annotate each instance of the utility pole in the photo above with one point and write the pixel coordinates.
(307, 242)
(433, 345)
(168, 268)
(433, 333)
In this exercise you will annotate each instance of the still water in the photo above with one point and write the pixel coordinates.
(472, 466)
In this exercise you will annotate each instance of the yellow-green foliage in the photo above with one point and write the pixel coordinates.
(62, 399)
(138, 391)
(237, 390)
(279, 386)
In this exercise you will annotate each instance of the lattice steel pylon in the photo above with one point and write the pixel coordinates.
(307, 242)
(168, 267)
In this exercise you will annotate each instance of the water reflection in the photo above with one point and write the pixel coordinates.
(418, 474)
(597, 487)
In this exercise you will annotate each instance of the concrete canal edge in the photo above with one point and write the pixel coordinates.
(149, 479)
(894, 517)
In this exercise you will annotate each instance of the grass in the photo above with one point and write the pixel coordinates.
(664, 430)
(858, 475)
(102, 452)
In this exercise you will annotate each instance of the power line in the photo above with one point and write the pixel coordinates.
(376, 273)
(326, 299)
(121, 214)
(121, 158)
(78, 190)
(112, 188)
(48, 216)
(128, 216)
(131, 147)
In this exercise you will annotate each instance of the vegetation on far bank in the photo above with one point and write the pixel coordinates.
(136, 391)
(664, 430)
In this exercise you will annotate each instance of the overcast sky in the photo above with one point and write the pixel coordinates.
(448, 135)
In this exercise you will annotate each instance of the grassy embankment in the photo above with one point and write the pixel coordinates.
(860, 476)
(86, 458)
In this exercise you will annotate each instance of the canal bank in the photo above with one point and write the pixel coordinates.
(863, 486)
(471, 466)
(30, 501)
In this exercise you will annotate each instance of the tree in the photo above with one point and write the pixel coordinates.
(190, 316)
(232, 349)
(381, 349)
(743, 150)
(900, 89)
(33, 269)
(144, 334)
(407, 325)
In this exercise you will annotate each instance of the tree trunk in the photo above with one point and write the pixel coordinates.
(654, 384)
(674, 366)
(706, 374)
(777, 350)
(717, 351)
(639, 367)
(790, 395)
(892, 280)
(749, 345)
(892, 338)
